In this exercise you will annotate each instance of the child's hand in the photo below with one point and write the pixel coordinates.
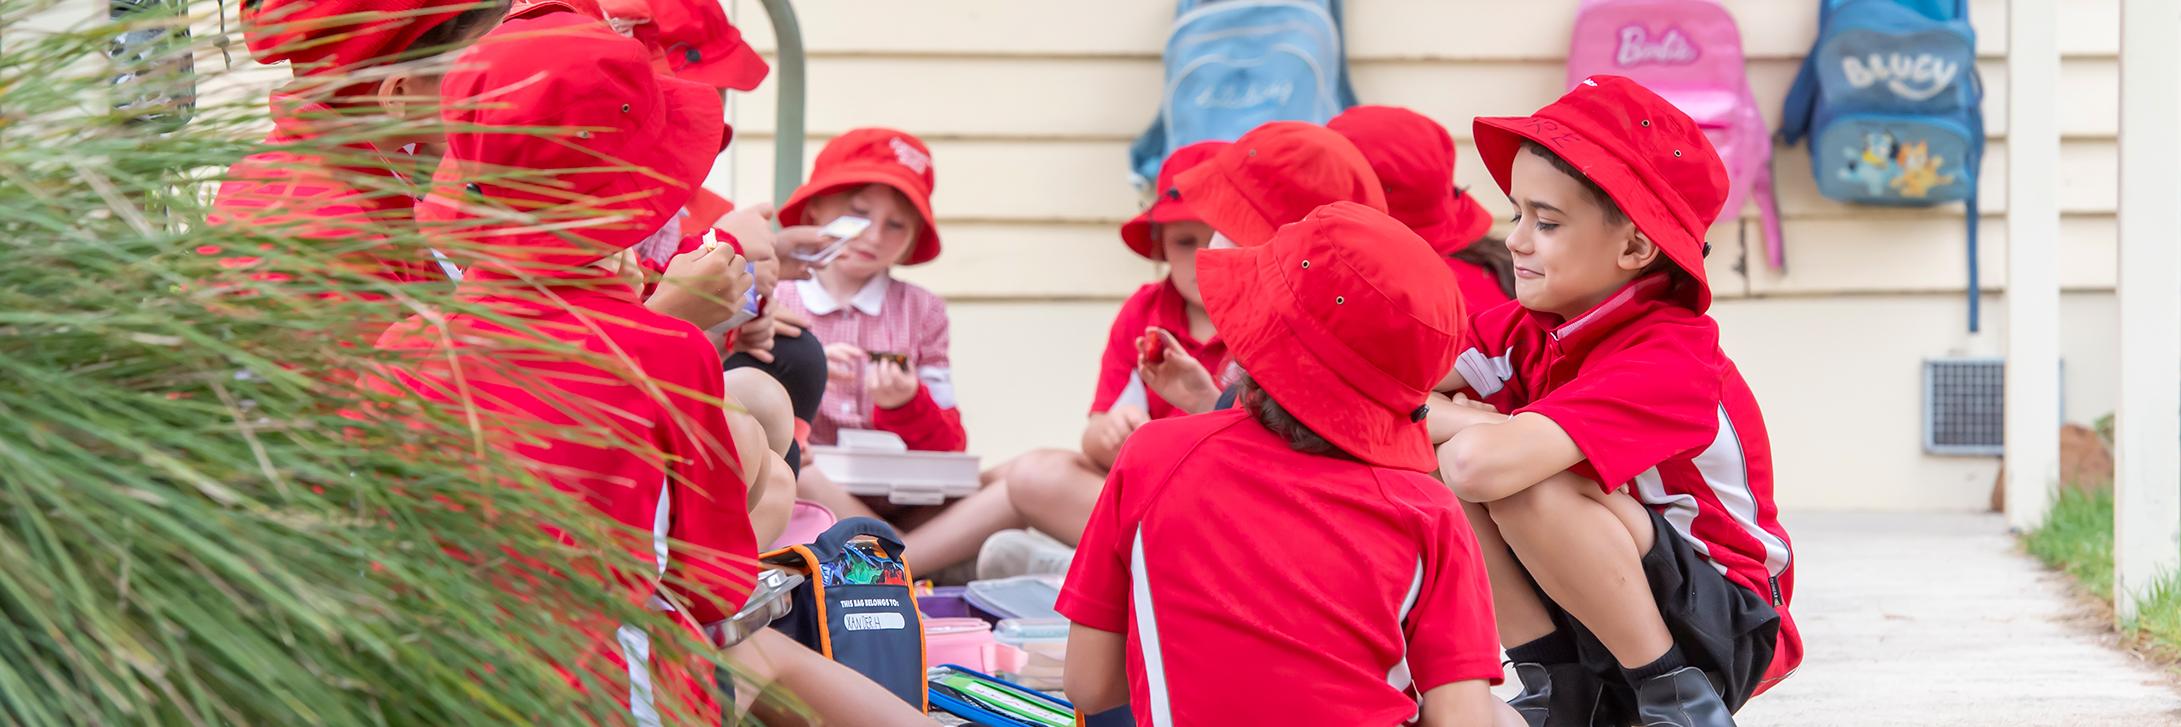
(1450, 415)
(787, 322)
(703, 287)
(891, 384)
(1180, 380)
(843, 361)
(797, 240)
(1109, 431)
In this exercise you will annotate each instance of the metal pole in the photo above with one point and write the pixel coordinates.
(787, 140)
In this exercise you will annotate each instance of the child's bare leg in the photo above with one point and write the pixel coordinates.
(772, 501)
(830, 694)
(1521, 615)
(955, 534)
(815, 487)
(1055, 490)
(1586, 552)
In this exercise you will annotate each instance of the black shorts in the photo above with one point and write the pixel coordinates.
(1724, 629)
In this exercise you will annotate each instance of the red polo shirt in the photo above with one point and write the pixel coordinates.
(1156, 304)
(1258, 585)
(632, 424)
(1640, 384)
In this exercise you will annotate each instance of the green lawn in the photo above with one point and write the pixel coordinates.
(2078, 538)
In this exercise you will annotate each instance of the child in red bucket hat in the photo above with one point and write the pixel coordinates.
(355, 194)
(1342, 567)
(885, 339)
(1414, 158)
(1270, 177)
(1054, 489)
(1618, 458)
(613, 402)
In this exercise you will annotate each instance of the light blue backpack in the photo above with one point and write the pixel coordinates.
(1890, 100)
(1234, 64)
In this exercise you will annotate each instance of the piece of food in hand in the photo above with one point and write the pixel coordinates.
(897, 359)
(1154, 345)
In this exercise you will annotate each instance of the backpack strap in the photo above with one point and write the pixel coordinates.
(1795, 115)
(1344, 92)
(1768, 215)
(831, 543)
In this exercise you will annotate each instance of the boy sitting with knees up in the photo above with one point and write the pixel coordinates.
(1632, 482)
(1296, 537)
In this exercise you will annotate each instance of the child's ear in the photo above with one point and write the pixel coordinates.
(395, 93)
(1638, 252)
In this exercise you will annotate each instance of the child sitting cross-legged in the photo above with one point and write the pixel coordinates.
(1289, 561)
(1619, 461)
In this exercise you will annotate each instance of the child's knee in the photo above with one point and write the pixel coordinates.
(1543, 501)
(1040, 475)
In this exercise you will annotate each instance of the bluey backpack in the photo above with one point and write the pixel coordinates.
(1890, 100)
(1232, 65)
(1690, 53)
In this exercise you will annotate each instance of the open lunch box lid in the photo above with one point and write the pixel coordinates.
(878, 464)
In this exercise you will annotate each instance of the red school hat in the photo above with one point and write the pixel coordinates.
(1274, 175)
(1346, 320)
(324, 36)
(691, 39)
(896, 159)
(603, 150)
(1414, 159)
(1647, 155)
(1167, 206)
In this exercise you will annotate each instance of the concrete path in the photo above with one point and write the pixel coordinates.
(1937, 619)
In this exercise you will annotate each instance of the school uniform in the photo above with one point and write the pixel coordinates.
(885, 316)
(1346, 584)
(1154, 305)
(1640, 385)
(572, 375)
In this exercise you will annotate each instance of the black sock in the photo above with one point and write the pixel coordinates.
(1666, 664)
(1552, 648)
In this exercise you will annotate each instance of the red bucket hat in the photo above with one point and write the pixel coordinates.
(1167, 205)
(323, 36)
(1647, 155)
(691, 39)
(1346, 319)
(1414, 159)
(603, 150)
(896, 159)
(1274, 175)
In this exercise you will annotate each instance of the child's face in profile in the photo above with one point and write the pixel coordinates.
(1180, 241)
(1568, 255)
(893, 230)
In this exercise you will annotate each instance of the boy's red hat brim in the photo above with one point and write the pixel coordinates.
(1648, 156)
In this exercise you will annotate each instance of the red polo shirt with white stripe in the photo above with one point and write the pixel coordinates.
(1641, 385)
(1157, 304)
(1259, 585)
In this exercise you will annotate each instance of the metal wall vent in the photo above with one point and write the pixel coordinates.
(1964, 405)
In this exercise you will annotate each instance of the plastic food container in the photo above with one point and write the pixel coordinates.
(1017, 597)
(943, 602)
(1024, 631)
(879, 464)
(968, 642)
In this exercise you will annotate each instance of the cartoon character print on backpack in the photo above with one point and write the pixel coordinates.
(1919, 171)
(1873, 164)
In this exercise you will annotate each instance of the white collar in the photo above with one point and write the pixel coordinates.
(870, 300)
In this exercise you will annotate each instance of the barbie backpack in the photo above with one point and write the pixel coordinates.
(1690, 53)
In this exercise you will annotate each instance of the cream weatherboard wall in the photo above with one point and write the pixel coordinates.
(1029, 108)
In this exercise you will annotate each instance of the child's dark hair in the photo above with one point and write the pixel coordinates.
(1491, 253)
(1613, 214)
(461, 27)
(1260, 405)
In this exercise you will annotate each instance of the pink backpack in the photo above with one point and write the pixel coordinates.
(1690, 52)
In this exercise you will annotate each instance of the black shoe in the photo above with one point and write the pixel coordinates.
(1681, 698)
(1559, 695)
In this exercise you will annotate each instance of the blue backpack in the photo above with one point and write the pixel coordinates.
(1893, 107)
(1234, 64)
